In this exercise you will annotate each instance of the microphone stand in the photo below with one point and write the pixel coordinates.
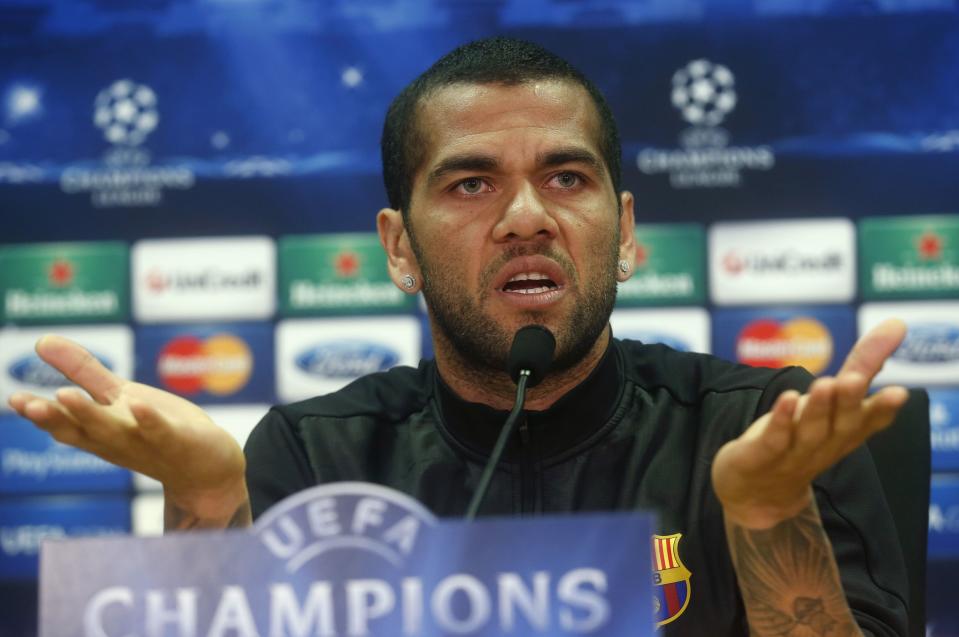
(509, 427)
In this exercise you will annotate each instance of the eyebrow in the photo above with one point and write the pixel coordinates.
(458, 163)
(571, 155)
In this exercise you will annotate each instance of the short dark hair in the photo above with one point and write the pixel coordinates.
(497, 60)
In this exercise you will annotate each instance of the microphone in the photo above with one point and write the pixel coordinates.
(529, 359)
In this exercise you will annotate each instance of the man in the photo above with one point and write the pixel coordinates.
(502, 165)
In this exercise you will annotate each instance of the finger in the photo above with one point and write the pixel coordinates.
(878, 412)
(814, 424)
(881, 408)
(80, 366)
(871, 351)
(55, 420)
(99, 422)
(778, 434)
(18, 400)
(151, 422)
(850, 391)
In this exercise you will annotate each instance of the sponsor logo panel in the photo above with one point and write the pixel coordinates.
(794, 261)
(64, 283)
(26, 522)
(238, 420)
(817, 338)
(944, 517)
(685, 329)
(944, 422)
(204, 279)
(22, 370)
(337, 274)
(322, 355)
(930, 353)
(33, 462)
(208, 364)
(909, 257)
(670, 267)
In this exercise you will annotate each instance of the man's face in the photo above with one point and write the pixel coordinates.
(513, 218)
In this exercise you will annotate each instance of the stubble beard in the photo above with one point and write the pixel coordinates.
(483, 345)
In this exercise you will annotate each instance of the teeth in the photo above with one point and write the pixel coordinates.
(538, 290)
(528, 276)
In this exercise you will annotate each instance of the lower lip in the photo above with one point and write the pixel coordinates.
(535, 300)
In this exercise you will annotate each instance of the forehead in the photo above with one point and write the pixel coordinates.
(493, 118)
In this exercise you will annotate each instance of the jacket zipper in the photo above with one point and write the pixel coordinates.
(526, 473)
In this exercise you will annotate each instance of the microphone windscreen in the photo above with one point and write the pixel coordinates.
(532, 349)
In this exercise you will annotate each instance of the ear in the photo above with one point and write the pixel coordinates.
(627, 237)
(400, 260)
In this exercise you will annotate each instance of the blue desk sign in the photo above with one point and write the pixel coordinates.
(351, 559)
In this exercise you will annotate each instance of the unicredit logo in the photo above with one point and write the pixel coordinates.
(792, 262)
(930, 343)
(31, 370)
(211, 280)
(346, 359)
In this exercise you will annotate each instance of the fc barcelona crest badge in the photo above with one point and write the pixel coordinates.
(670, 579)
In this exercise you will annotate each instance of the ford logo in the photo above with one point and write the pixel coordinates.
(31, 370)
(348, 359)
(930, 343)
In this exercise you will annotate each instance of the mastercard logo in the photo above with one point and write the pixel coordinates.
(219, 365)
(803, 341)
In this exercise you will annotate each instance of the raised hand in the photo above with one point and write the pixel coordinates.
(764, 476)
(144, 429)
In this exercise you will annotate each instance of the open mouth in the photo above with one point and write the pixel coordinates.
(529, 283)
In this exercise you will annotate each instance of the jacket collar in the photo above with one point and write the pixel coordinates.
(568, 422)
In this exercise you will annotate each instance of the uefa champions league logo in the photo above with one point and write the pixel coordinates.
(704, 92)
(126, 112)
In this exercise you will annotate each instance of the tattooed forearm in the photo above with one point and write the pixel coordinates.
(789, 579)
(178, 519)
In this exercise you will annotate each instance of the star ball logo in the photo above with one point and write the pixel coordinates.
(126, 112)
(704, 92)
(801, 341)
(220, 365)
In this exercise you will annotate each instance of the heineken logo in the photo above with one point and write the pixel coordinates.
(309, 294)
(346, 359)
(929, 246)
(930, 343)
(61, 273)
(347, 264)
(23, 304)
(31, 370)
(642, 255)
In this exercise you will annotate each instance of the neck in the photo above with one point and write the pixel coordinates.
(497, 390)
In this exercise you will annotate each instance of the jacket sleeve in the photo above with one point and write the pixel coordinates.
(860, 528)
(276, 462)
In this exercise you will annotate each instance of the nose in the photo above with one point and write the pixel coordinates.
(526, 217)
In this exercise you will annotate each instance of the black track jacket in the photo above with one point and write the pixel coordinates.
(639, 433)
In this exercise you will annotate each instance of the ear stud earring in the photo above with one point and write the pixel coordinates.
(409, 281)
(624, 266)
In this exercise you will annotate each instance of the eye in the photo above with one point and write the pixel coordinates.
(473, 186)
(566, 180)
